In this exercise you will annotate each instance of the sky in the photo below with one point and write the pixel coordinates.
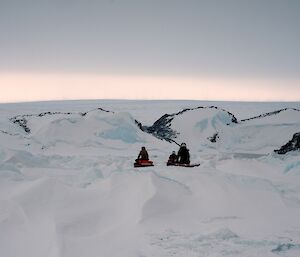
(142, 49)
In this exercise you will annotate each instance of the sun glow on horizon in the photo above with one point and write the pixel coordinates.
(17, 87)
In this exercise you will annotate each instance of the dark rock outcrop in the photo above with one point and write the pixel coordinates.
(100, 109)
(22, 122)
(214, 138)
(139, 124)
(161, 128)
(292, 145)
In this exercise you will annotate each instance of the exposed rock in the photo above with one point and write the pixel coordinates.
(161, 128)
(214, 138)
(22, 122)
(100, 109)
(292, 145)
(139, 124)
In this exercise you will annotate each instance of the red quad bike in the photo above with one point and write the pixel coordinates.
(143, 163)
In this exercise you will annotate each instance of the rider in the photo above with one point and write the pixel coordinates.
(143, 155)
(183, 154)
(173, 158)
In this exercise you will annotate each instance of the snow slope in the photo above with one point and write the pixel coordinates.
(68, 187)
(219, 129)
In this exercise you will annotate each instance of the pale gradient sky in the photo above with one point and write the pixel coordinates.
(142, 49)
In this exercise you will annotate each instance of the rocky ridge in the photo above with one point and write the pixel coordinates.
(292, 145)
(269, 114)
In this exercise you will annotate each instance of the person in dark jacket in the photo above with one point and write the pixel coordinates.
(143, 155)
(183, 154)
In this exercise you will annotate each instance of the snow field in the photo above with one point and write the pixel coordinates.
(69, 189)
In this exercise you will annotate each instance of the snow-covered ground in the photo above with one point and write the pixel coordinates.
(68, 187)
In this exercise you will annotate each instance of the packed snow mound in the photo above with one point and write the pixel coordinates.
(261, 134)
(194, 126)
(10, 134)
(59, 130)
(95, 128)
(24, 121)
